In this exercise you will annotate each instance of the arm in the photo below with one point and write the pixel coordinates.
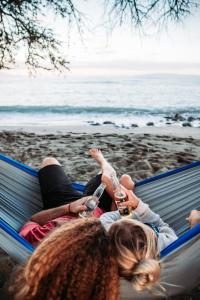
(44, 216)
(141, 210)
(144, 214)
(109, 218)
(166, 234)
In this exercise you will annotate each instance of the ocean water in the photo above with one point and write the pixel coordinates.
(49, 101)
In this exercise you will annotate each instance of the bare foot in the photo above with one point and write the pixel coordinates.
(127, 182)
(97, 155)
(100, 159)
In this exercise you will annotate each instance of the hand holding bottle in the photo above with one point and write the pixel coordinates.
(131, 199)
(120, 198)
(92, 202)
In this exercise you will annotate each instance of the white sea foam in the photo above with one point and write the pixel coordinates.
(123, 101)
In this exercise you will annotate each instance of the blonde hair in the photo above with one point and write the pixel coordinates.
(135, 247)
(73, 262)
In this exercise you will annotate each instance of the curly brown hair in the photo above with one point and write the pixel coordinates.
(73, 262)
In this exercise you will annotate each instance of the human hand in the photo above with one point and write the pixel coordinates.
(194, 217)
(132, 200)
(78, 205)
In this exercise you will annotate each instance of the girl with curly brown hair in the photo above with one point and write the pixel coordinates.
(74, 262)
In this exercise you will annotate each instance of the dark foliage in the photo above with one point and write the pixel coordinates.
(20, 26)
(140, 11)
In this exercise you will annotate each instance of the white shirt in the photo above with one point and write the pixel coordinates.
(144, 214)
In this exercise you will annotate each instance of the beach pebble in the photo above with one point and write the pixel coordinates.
(187, 124)
(177, 117)
(150, 124)
(155, 166)
(190, 119)
(128, 144)
(108, 122)
(95, 124)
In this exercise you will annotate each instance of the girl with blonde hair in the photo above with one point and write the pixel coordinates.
(138, 240)
(75, 262)
(135, 247)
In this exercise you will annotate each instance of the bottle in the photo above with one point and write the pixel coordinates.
(120, 196)
(93, 201)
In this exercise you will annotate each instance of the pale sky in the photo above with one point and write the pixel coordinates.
(175, 50)
(127, 51)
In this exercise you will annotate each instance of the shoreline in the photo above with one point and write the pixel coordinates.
(176, 131)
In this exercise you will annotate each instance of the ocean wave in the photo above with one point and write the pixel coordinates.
(98, 110)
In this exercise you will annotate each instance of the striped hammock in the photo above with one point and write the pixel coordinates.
(172, 195)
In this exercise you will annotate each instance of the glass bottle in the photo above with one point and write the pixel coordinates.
(93, 201)
(120, 196)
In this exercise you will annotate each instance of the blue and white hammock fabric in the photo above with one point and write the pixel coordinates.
(172, 195)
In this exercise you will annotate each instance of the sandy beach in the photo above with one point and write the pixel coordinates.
(139, 152)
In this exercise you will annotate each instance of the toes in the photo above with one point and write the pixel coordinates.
(94, 151)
